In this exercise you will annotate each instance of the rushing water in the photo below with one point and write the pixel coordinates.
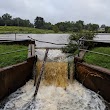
(51, 97)
(73, 97)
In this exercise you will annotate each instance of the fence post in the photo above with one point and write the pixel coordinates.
(29, 51)
(33, 49)
(15, 36)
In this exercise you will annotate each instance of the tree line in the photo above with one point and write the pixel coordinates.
(40, 23)
(7, 20)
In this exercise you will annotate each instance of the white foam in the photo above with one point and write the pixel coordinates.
(75, 97)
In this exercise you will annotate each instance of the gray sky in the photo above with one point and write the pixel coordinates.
(94, 11)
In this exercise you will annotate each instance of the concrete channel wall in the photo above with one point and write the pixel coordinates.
(93, 77)
(15, 76)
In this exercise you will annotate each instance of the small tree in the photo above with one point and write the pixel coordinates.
(74, 41)
(39, 22)
(55, 29)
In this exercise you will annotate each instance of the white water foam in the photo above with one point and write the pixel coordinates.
(75, 97)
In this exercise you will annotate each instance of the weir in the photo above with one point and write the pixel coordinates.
(56, 90)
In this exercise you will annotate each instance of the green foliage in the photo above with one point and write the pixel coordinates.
(99, 60)
(7, 20)
(13, 58)
(48, 26)
(22, 30)
(55, 29)
(39, 22)
(92, 27)
(74, 41)
(108, 30)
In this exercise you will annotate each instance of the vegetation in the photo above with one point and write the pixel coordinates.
(14, 29)
(73, 44)
(40, 23)
(7, 20)
(100, 60)
(13, 58)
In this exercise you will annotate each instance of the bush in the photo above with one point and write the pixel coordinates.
(74, 41)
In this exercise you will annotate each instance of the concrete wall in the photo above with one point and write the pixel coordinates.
(13, 77)
(93, 77)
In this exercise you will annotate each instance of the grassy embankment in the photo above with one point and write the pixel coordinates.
(13, 58)
(99, 60)
(22, 30)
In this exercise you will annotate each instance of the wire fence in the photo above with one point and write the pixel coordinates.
(82, 42)
(13, 52)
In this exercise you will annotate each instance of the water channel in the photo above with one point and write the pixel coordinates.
(51, 97)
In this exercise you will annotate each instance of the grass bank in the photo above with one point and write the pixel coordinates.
(22, 30)
(99, 60)
(13, 58)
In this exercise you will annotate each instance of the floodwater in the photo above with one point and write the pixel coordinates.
(56, 38)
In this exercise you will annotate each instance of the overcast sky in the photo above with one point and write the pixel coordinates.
(94, 11)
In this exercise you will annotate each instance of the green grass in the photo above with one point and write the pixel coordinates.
(99, 60)
(13, 58)
(22, 30)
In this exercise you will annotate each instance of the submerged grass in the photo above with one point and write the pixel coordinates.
(99, 60)
(13, 58)
(22, 30)
(55, 73)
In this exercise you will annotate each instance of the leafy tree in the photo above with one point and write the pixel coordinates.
(74, 41)
(7, 19)
(79, 25)
(2, 23)
(48, 26)
(108, 30)
(39, 22)
(103, 26)
(55, 29)
(95, 27)
(91, 27)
